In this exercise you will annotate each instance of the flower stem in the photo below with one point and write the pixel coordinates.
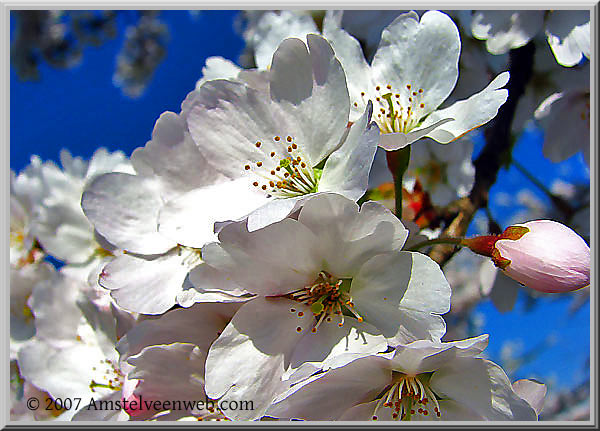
(455, 241)
(398, 163)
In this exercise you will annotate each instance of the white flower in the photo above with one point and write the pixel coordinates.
(72, 354)
(413, 57)
(424, 380)
(276, 148)
(164, 358)
(124, 208)
(412, 73)
(331, 282)
(567, 31)
(58, 221)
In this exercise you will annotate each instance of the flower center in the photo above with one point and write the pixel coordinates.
(407, 396)
(397, 111)
(327, 297)
(112, 377)
(191, 257)
(285, 171)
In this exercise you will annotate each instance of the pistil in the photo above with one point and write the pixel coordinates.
(327, 297)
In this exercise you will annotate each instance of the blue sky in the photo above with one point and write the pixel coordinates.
(80, 109)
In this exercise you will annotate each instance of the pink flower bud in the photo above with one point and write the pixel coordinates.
(549, 257)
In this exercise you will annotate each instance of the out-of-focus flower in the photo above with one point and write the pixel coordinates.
(565, 117)
(424, 380)
(543, 255)
(567, 31)
(330, 282)
(22, 282)
(72, 354)
(446, 172)
(59, 223)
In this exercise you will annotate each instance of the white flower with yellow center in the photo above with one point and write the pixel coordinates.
(72, 354)
(412, 73)
(423, 380)
(331, 284)
(275, 147)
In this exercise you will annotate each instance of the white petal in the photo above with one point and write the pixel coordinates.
(423, 54)
(424, 356)
(428, 288)
(568, 33)
(346, 171)
(348, 50)
(218, 68)
(273, 211)
(124, 209)
(232, 113)
(144, 284)
(291, 72)
(470, 113)
(54, 303)
(364, 412)
(565, 117)
(65, 232)
(395, 141)
(506, 30)
(169, 372)
(207, 279)
(62, 372)
(452, 411)
(273, 27)
(328, 395)
(173, 158)
(256, 344)
(275, 260)
(189, 219)
(483, 387)
(319, 102)
(332, 346)
(22, 283)
(402, 303)
(347, 237)
(531, 391)
(206, 319)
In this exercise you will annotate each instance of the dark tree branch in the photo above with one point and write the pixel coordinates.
(494, 155)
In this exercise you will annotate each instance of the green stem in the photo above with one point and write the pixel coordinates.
(398, 163)
(455, 241)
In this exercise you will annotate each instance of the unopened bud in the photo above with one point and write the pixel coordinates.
(543, 255)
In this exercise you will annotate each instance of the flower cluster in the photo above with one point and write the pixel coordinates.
(237, 257)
